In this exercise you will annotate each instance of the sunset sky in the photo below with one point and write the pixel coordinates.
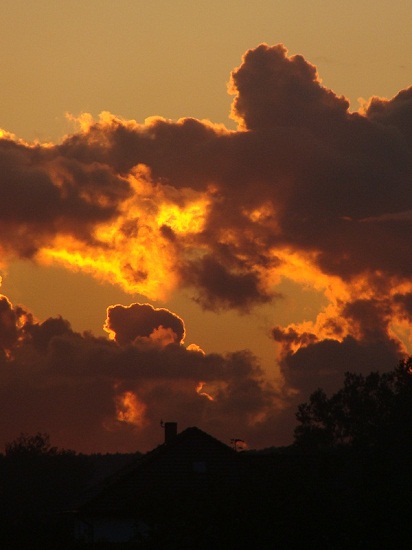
(205, 213)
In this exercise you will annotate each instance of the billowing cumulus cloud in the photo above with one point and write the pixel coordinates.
(305, 189)
(274, 90)
(137, 321)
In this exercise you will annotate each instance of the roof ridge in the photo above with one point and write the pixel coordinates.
(154, 454)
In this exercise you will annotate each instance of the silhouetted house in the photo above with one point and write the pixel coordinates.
(181, 478)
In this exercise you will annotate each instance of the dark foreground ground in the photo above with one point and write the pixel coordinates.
(287, 498)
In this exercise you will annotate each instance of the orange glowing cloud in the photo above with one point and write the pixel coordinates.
(200, 391)
(139, 250)
(129, 409)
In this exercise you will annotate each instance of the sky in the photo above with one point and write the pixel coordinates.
(205, 213)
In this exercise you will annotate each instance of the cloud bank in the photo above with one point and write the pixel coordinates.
(304, 189)
(95, 394)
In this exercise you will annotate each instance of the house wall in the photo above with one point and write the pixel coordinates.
(107, 529)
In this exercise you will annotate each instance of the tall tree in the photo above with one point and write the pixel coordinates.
(365, 411)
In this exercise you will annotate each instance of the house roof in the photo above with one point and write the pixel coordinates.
(167, 463)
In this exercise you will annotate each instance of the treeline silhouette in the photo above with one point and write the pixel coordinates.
(345, 482)
(41, 486)
(368, 411)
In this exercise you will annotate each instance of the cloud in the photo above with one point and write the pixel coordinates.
(302, 176)
(44, 195)
(133, 202)
(94, 394)
(274, 90)
(356, 337)
(220, 287)
(137, 321)
(304, 189)
(395, 113)
(12, 322)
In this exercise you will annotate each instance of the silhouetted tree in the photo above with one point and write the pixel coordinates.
(360, 440)
(31, 446)
(365, 411)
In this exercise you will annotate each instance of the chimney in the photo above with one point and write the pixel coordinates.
(170, 431)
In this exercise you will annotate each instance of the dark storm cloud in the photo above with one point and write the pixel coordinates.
(93, 394)
(306, 174)
(323, 364)
(220, 287)
(359, 340)
(331, 177)
(275, 90)
(41, 334)
(9, 324)
(43, 196)
(140, 321)
(395, 113)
